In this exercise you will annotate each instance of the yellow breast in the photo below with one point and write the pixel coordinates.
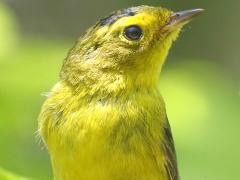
(105, 139)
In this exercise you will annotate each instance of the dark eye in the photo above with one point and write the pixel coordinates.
(133, 32)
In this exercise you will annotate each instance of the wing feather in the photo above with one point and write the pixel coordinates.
(170, 154)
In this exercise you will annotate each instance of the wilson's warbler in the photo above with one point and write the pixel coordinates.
(105, 119)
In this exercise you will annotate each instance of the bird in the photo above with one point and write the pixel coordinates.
(105, 118)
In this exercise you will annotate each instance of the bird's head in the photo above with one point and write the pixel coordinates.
(129, 45)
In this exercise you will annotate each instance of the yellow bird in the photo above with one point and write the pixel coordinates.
(105, 119)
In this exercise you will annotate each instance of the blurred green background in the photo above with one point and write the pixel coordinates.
(200, 81)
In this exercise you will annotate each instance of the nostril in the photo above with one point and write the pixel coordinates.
(175, 15)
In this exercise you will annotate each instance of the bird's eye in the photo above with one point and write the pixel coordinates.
(133, 32)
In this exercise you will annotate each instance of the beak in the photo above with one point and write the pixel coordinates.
(178, 19)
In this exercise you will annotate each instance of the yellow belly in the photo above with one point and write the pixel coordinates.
(107, 166)
(96, 158)
(105, 141)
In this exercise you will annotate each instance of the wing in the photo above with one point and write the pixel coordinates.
(171, 159)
